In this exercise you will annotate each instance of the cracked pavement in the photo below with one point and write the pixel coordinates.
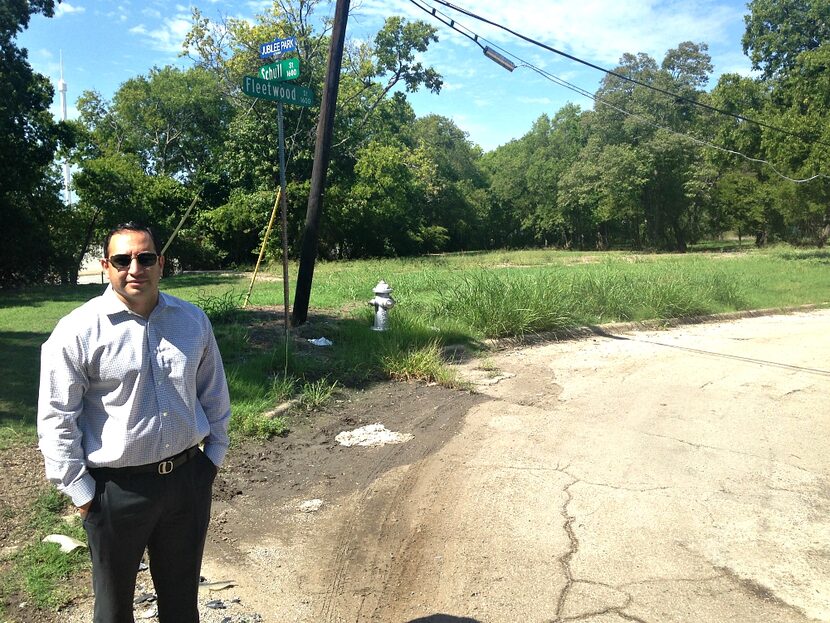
(677, 476)
(696, 473)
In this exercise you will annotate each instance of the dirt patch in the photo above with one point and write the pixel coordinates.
(308, 458)
(261, 477)
(22, 482)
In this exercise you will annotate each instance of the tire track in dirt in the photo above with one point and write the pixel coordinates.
(317, 566)
(373, 510)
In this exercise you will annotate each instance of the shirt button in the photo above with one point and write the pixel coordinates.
(167, 445)
(158, 382)
(164, 414)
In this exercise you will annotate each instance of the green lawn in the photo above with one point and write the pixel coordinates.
(441, 299)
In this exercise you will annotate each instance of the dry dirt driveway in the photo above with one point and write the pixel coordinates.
(659, 476)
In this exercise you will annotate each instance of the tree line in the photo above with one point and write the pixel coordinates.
(638, 169)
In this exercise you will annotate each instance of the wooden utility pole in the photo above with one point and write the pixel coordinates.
(308, 251)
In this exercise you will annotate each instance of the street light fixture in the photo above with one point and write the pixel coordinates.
(498, 58)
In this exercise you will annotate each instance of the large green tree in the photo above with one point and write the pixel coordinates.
(143, 154)
(640, 178)
(789, 41)
(372, 115)
(29, 138)
(778, 31)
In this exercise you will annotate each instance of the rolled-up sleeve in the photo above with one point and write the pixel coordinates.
(63, 382)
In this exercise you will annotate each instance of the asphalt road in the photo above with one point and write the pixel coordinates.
(677, 476)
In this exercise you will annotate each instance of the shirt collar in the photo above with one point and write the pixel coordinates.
(112, 305)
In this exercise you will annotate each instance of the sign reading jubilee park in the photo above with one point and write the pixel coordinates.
(277, 91)
(277, 47)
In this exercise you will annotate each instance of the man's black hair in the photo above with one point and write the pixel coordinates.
(130, 226)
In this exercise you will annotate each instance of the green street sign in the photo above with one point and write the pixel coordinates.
(277, 91)
(288, 69)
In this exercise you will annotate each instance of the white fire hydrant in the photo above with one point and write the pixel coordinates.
(382, 303)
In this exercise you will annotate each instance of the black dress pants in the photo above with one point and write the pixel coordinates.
(166, 514)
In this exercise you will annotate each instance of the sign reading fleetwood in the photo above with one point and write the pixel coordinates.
(277, 92)
(277, 47)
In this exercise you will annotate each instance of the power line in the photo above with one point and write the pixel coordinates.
(449, 22)
(628, 78)
(564, 83)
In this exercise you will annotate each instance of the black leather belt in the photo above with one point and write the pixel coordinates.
(162, 467)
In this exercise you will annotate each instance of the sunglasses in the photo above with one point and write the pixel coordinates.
(123, 260)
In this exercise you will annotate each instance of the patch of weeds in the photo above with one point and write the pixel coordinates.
(45, 572)
(48, 506)
(727, 291)
(252, 419)
(316, 394)
(419, 364)
(674, 299)
(233, 340)
(40, 573)
(487, 365)
(283, 388)
(508, 305)
(221, 309)
(10, 436)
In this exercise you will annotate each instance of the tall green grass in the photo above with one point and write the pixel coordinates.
(442, 300)
(517, 302)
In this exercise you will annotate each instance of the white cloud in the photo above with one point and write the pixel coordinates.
(120, 14)
(168, 37)
(597, 30)
(544, 101)
(64, 8)
(259, 6)
(449, 87)
(151, 13)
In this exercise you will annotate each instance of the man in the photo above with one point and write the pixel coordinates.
(131, 384)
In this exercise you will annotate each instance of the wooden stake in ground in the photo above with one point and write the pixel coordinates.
(181, 222)
(262, 248)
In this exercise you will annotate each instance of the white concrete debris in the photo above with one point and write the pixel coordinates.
(321, 341)
(371, 435)
(67, 543)
(310, 506)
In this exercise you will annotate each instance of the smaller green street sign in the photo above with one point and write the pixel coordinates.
(288, 69)
(277, 91)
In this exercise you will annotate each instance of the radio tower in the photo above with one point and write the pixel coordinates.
(67, 194)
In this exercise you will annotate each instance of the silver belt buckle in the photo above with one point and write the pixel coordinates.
(165, 467)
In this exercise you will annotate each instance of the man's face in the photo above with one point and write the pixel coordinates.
(137, 286)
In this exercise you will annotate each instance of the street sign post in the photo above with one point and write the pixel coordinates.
(277, 47)
(269, 86)
(277, 92)
(288, 69)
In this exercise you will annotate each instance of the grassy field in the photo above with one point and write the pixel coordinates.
(448, 299)
(443, 300)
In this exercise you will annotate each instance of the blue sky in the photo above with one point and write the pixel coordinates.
(104, 43)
